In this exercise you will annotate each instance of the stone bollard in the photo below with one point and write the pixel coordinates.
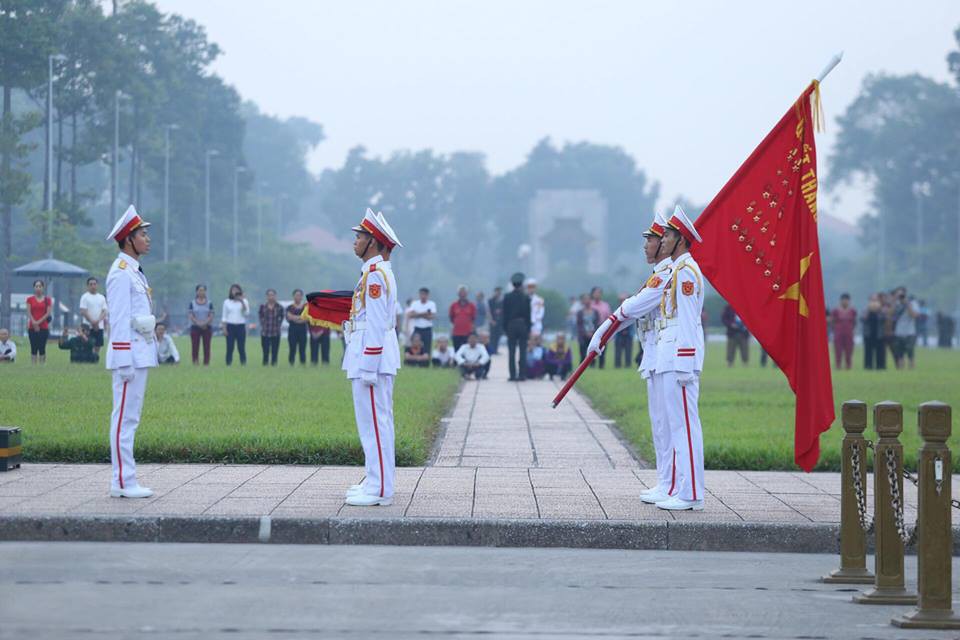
(853, 539)
(888, 566)
(935, 531)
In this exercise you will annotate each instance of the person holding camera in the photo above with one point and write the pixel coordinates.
(82, 347)
(234, 323)
(905, 314)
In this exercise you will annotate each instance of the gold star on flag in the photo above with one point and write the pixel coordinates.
(793, 291)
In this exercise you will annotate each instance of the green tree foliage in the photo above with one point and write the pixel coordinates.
(28, 30)
(902, 134)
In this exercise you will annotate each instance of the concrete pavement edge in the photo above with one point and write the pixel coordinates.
(609, 534)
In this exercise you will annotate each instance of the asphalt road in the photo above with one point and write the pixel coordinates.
(186, 591)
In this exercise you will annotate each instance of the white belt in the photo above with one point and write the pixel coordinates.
(144, 325)
(352, 326)
(663, 323)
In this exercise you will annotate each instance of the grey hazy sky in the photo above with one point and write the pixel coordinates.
(688, 88)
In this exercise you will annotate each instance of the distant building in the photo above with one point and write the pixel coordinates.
(567, 227)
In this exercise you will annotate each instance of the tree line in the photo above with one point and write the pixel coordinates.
(129, 73)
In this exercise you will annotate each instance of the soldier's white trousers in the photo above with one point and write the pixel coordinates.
(373, 407)
(127, 404)
(686, 434)
(662, 441)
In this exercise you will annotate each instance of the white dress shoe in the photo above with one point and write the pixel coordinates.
(653, 489)
(654, 497)
(354, 489)
(131, 492)
(367, 500)
(676, 504)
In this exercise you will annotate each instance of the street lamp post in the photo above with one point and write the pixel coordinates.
(206, 241)
(920, 191)
(115, 165)
(236, 227)
(260, 218)
(48, 191)
(283, 197)
(166, 189)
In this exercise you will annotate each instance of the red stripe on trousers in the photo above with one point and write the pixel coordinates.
(123, 401)
(376, 431)
(686, 416)
(673, 474)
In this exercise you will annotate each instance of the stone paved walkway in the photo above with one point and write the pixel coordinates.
(504, 454)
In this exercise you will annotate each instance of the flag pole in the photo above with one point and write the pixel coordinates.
(572, 380)
(834, 61)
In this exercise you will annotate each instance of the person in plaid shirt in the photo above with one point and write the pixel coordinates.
(271, 319)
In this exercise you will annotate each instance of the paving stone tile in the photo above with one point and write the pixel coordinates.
(243, 506)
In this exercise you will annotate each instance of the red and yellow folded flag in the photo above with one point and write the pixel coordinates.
(328, 308)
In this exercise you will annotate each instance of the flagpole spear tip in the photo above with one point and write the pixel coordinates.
(834, 61)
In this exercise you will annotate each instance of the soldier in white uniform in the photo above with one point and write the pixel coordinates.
(132, 350)
(372, 359)
(680, 352)
(657, 254)
(537, 308)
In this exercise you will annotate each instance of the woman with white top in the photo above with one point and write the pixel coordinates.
(234, 323)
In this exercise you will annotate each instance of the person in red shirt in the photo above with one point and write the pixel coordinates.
(463, 314)
(843, 320)
(40, 310)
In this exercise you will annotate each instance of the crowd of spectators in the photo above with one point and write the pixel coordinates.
(892, 324)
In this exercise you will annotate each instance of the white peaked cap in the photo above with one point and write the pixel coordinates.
(388, 230)
(657, 226)
(684, 225)
(376, 225)
(127, 224)
(530, 281)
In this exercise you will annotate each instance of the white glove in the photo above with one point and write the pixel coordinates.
(685, 378)
(125, 373)
(369, 378)
(594, 346)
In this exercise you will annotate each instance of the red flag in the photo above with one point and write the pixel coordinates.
(760, 252)
(328, 308)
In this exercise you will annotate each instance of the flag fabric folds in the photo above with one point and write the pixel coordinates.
(328, 308)
(760, 251)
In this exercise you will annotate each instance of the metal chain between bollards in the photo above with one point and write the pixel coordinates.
(908, 537)
(866, 522)
(916, 482)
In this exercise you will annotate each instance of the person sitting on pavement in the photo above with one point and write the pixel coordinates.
(535, 358)
(414, 355)
(80, 346)
(8, 348)
(443, 355)
(166, 350)
(559, 358)
(473, 358)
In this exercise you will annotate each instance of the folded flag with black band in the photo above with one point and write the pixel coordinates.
(328, 308)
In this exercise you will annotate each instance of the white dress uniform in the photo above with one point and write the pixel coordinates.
(537, 310)
(130, 353)
(659, 427)
(680, 353)
(373, 355)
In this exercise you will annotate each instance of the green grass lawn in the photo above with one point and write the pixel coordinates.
(301, 415)
(747, 413)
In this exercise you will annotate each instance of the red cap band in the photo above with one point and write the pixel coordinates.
(129, 228)
(376, 233)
